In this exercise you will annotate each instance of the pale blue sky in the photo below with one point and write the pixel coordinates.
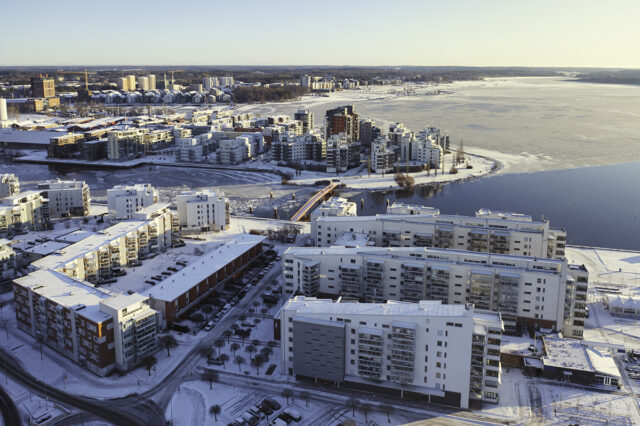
(595, 33)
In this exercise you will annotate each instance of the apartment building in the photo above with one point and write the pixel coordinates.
(43, 87)
(7, 260)
(100, 330)
(306, 118)
(99, 256)
(124, 200)
(338, 154)
(23, 212)
(292, 148)
(343, 120)
(124, 145)
(9, 185)
(529, 292)
(446, 354)
(336, 206)
(66, 197)
(382, 157)
(234, 151)
(196, 148)
(205, 210)
(134, 328)
(489, 231)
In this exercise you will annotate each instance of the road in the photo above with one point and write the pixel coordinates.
(9, 411)
(304, 210)
(337, 397)
(123, 411)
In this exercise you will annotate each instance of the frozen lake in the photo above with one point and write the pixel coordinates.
(540, 123)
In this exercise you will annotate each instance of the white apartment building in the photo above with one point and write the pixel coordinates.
(22, 212)
(97, 257)
(195, 149)
(234, 151)
(7, 260)
(447, 354)
(336, 206)
(337, 154)
(528, 292)
(152, 81)
(143, 83)
(98, 329)
(382, 157)
(131, 82)
(123, 83)
(488, 231)
(411, 209)
(66, 197)
(210, 83)
(203, 210)
(134, 328)
(9, 185)
(124, 200)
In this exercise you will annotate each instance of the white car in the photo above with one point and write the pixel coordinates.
(208, 326)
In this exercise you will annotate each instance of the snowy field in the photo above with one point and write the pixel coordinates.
(608, 266)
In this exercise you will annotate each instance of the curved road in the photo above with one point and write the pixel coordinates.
(9, 411)
(137, 409)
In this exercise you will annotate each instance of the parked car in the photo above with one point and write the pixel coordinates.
(295, 415)
(208, 326)
(272, 403)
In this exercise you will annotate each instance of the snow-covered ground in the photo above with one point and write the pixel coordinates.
(608, 266)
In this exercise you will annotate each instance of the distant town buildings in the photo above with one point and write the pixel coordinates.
(43, 87)
(23, 212)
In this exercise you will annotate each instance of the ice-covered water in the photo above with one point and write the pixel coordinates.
(542, 123)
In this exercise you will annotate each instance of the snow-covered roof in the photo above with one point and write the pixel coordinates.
(573, 354)
(47, 248)
(27, 137)
(75, 236)
(124, 300)
(177, 284)
(87, 245)
(424, 308)
(68, 292)
(623, 302)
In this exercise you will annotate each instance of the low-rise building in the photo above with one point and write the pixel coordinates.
(66, 197)
(7, 260)
(124, 200)
(529, 292)
(447, 354)
(411, 209)
(205, 210)
(177, 294)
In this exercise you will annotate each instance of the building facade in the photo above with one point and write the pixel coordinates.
(23, 212)
(528, 292)
(445, 354)
(9, 185)
(43, 87)
(124, 200)
(66, 197)
(488, 231)
(203, 210)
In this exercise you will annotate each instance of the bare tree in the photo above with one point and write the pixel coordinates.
(366, 409)
(239, 360)
(215, 410)
(234, 347)
(388, 410)
(353, 404)
(218, 344)
(257, 362)
(211, 376)
(168, 341)
(305, 395)
(287, 393)
(251, 349)
(224, 358)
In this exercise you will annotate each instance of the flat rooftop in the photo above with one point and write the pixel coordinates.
(89, 244)
(68, 292)
(204, 266)
(573, 354)
(424, 308)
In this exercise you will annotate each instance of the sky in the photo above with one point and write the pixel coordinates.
(571, 33)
